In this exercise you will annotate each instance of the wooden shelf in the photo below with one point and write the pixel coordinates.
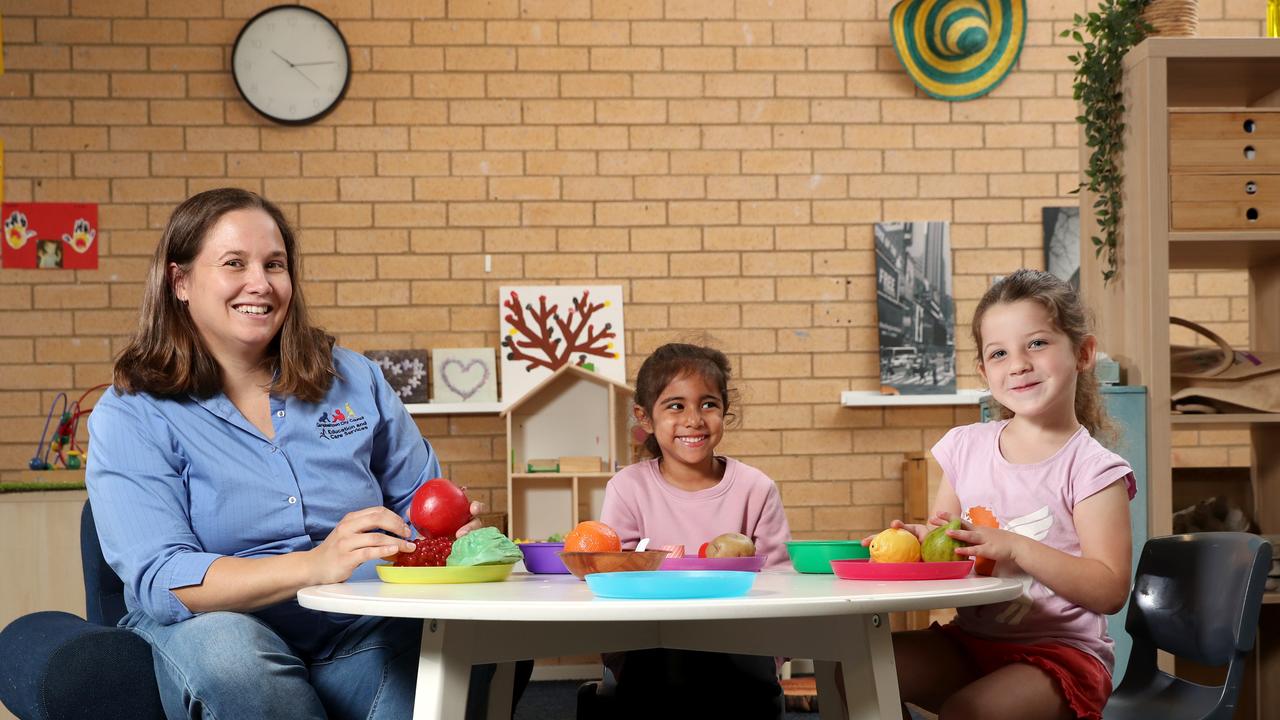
(477, 408)
(559, 475)
(870, 398)
(1225, 419)
(1271, 598)
(1224, 250)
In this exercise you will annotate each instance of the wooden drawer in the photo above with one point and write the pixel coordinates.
(1236, 142)
(1225, 202)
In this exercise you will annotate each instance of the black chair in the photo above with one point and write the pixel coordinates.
(56, 666)
(1197, 597)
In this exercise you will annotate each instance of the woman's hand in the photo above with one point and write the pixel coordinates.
(356, 540)
(477, 508)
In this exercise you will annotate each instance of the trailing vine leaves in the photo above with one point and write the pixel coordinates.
(1105, 36)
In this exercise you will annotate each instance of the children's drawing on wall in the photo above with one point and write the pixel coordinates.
(464, 375)
(915, 308)
(49, 235)
(1062, 243)
(405, 370)
(544, 327)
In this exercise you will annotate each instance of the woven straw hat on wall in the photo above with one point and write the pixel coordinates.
(1173, 18)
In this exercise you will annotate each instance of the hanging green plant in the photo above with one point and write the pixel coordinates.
(1105, 36)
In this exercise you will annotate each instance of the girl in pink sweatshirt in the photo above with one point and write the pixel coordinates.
(687, 495)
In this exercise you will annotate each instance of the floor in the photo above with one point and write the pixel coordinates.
(557, 700)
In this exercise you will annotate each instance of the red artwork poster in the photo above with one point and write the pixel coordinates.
(50, 235)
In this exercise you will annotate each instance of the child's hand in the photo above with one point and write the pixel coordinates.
(920, 531)
(986, 542)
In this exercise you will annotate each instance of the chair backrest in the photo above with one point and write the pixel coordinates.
(1197, 596)
(103, 590)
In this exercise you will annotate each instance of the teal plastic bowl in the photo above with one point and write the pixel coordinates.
(815, 556)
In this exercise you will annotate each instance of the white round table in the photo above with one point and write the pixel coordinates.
(785, 613)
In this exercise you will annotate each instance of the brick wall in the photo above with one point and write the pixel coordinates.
(722, 160)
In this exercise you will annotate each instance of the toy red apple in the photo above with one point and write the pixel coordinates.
(439, 508)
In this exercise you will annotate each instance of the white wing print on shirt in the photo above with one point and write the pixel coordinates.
(1035, 525)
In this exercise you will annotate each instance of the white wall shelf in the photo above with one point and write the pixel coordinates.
(870, 398)
(476, 408)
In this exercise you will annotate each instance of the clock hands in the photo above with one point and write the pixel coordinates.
(295, 67)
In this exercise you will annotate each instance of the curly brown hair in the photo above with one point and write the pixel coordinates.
(165, 356)
(1069, 315)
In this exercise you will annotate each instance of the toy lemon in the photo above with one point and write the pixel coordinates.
(895, 545)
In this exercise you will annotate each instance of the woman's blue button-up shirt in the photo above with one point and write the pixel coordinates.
(177, 483)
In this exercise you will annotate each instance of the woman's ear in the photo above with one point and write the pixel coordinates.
(642, 418)
(178, 280)
(1087, 353)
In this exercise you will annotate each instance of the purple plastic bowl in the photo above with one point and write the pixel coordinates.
(543, 558)
(741, 564)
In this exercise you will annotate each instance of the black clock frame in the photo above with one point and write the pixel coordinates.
(346, 82)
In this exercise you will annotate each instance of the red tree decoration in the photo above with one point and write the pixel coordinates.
(535, 342)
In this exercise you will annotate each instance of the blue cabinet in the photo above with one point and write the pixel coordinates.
(1127, 406)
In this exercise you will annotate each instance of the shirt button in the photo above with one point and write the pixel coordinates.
(292, 499)
(279, 413)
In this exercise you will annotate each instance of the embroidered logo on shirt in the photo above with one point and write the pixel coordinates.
(341, 422)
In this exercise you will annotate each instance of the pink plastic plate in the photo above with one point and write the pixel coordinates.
(740, 564)
(867, 570)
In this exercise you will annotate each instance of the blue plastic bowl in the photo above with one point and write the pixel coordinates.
(671, 584)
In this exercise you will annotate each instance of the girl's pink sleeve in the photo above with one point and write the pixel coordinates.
(772, 530)
(617, 512)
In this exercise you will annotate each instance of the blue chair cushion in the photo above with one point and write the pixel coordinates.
(54, 665)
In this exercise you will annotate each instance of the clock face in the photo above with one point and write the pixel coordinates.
(290, 63)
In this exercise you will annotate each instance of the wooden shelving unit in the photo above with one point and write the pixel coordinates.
(1202, 171)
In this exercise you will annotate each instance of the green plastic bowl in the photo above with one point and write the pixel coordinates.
(815, 556)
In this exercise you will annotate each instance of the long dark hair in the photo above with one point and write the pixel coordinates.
(675, 360)
(1070, 317)
(166, 357)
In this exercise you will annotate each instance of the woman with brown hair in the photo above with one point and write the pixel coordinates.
(240, 457)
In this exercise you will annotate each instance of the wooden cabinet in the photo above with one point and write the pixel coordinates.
(1202, 191)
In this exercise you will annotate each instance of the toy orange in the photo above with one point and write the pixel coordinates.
(592, 536)
(983, 517)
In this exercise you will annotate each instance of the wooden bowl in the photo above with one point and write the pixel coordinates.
(582, 564)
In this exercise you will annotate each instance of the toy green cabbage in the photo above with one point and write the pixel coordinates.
(485, 546)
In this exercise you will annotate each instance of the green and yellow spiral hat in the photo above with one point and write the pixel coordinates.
(958, 49)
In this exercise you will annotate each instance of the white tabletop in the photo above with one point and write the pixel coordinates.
(525, 597)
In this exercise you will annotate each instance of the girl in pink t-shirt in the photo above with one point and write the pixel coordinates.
(1042, 501)
(687, 495)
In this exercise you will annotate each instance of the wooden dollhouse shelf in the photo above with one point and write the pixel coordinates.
(560, 475)
(476, 408)
(1225, 419)
(870, 398)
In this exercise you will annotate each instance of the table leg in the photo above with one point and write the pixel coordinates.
(444, 672)
(868, 670)
(500, 690)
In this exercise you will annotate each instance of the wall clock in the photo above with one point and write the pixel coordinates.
(290, 63)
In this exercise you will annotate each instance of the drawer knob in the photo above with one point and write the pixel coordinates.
(1251, 188)
(1249, 152)
(1250, 125)
(1251, 214)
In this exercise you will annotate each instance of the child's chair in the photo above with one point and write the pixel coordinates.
(54, 665)
(1197, 597)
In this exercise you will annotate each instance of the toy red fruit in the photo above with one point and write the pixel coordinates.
(439, 508)
(702, 549)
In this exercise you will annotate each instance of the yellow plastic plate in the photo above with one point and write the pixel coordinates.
(446, 574)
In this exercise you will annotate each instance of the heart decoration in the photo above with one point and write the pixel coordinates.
(464, 378)
(405, 370)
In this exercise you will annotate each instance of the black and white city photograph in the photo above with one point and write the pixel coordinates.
(915, 307)
(1062, 243)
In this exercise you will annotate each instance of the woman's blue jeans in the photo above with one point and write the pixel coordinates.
(233, 666)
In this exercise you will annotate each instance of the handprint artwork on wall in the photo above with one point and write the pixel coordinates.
(49, 235)
(543, 328)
